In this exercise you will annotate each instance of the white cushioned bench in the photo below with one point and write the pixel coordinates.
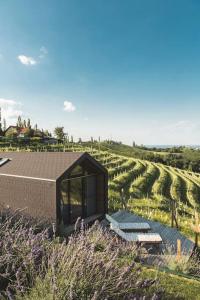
(128, 225)
(150, 237)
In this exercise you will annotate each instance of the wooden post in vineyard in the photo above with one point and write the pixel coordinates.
(196, 228)
(123, 199)
(178, 254)
(174, 214)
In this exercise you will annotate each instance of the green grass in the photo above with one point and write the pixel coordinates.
(176, 287)
(157, 210)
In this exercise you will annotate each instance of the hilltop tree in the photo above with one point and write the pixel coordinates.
(28, 132)
(19, 122)
(35, 127)
(66, 137)
(29, 123)
(59, 132)
(23, 123)
(46, 133)
(4, 125)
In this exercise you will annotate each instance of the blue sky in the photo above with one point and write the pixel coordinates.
(129, 69)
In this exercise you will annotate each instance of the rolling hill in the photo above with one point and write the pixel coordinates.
(150, 189)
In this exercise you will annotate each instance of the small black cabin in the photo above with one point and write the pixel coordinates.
(57, 186)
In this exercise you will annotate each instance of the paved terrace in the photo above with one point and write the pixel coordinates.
(169, 235)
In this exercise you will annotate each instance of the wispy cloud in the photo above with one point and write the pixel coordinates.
(43, 52)
(6, 102)
(30, 61)
(11, 109)
(69, 106)
(182, 125)
(27, 60)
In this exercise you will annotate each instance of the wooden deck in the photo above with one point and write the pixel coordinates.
(169, 235)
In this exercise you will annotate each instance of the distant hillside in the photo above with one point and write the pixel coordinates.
(179, 157)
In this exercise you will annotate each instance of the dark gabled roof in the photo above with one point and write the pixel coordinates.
(11, 126)
(44, 165)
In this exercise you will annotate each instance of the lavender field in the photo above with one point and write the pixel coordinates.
(92, 264)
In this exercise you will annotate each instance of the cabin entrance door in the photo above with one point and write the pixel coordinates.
(76, 199)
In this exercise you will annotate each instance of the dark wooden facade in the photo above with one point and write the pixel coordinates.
(54, 186)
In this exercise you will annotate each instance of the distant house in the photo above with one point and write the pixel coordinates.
(55, 186)
(22, 132)
(15, 131)
(11, 130)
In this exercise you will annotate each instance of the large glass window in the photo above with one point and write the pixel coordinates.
(76, 198)
(90, 195)
(78, 195)
(65, 204)
(77, 171)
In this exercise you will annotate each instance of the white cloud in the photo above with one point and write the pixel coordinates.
(10, 108)
(69, 107)
(11, 113)
(30, 61)
(6, 102)
(27, 60)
